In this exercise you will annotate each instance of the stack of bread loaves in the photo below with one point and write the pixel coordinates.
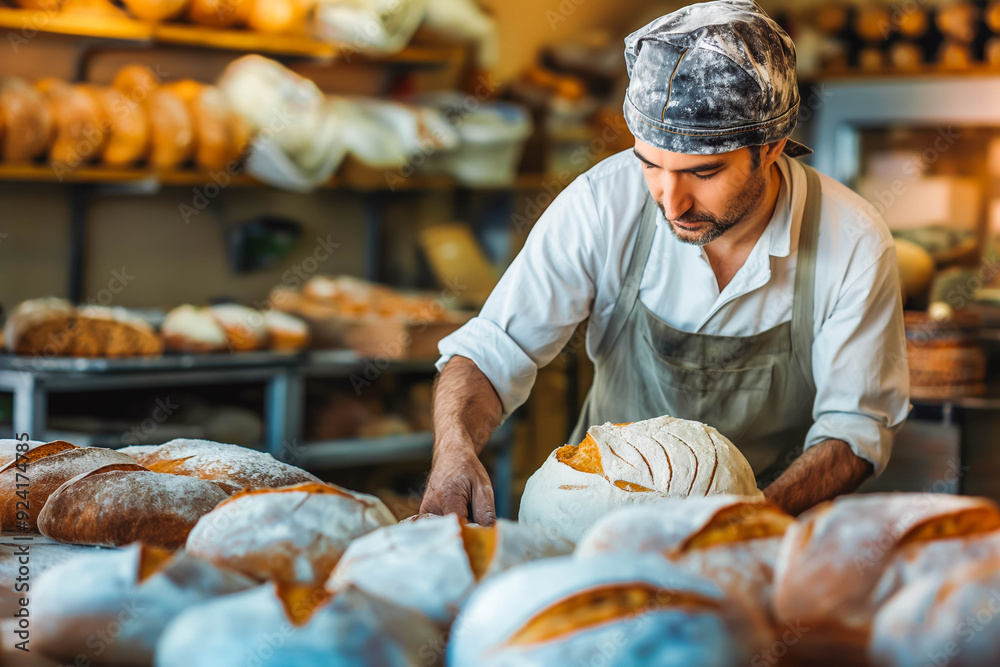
(232, 327)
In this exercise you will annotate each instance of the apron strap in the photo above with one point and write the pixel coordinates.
(629, 293)
(805, 278)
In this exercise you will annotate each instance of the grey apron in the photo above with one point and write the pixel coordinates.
(756, 390)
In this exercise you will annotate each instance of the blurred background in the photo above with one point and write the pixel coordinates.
(294, 200)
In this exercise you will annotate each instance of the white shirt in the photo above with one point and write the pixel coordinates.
(574, 261)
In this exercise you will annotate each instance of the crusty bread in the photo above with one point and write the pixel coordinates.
(156, 10)
(832, 559)
(219, 13)
(126, 124)
(621, 465)
(46, 468)
(211, 116)
(27, 121)
(294, 535)
(77, 135)
(190, 329)
(124, 503)
(9, 448)
(244, 326)
(232, 467)
(76, 601)
(432, 565)
(285, 332)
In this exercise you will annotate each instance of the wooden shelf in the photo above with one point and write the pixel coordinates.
(831, 76)
(185, 34)
(99, 175)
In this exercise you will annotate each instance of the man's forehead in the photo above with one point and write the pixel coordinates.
(668, 160)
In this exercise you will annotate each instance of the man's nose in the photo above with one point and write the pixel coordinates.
(676, 200)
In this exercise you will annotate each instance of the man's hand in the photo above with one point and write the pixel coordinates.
(458, 484)
(467, 410)
(823, 472)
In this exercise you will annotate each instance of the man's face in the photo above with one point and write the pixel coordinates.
(702, 196)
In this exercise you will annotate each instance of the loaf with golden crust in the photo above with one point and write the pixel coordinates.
(40, 472)
(232, 467)
(27, 121)
(124, 503)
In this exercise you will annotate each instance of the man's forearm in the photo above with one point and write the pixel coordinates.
(467, 408)
(822, 472)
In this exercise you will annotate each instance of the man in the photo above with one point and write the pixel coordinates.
(724, 281)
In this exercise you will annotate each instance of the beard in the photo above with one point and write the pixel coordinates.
(739, 208)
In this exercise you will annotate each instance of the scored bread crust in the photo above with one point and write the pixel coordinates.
(232, 467)
(833, 557)
(124, 503)
(621, 465)
(40, 472)
(294, 535)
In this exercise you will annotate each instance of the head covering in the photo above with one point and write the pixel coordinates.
(711, 78)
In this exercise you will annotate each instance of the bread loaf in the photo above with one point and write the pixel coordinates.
(278, 16)
(127, 127)
(620, 465)
(190, 329)
(285, 332)
(730, 540)
(219, 13)
(124, 503)
(27, 121)
(293, 535)
(212, 121)
(231, 467)
(77, 135)
(39, 473)
(155, 10)
(9, 448)
(944, 618)
(833, 558)
(138, 590)
(352, 629)
(629, 612)
(244, 326)
(432, 565)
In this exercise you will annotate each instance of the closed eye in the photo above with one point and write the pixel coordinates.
(705, 177)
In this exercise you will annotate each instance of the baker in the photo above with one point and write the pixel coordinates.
(724, 281)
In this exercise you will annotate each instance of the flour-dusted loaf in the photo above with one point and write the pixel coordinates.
(945, 618)
(621, 465)
(833, 558)
(293, 536)
(9, 448)
(124, 503)
(731, 540)
(244, 326)
(628, 612)
(232, 467)
(36, 326)
(284, 331)
(433, 564)
(40, 472)
(255, 628)
(129, 594)
(190, 329)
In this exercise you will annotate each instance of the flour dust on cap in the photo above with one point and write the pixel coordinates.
(711, 78)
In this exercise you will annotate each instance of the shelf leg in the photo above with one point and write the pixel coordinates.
(30, 407)
(283, 414)
(79, 201)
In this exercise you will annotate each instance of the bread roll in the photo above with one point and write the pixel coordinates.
(732, 541)
(47, 467)
(432, 565)
(27, 121)
(128, 127)
(629, 612)
(136, 82)
(832, 559)
(244, 326)
(279, 16)
(190, 329)
(173, 133)
(155, 10)
(285, 332)
(124, 503)
(620, 465)
(293, 535)
(77, 601)
(219, 13)
(211, 117)
(78, 136)
(945, 618)
(231, 467)
(352, 629)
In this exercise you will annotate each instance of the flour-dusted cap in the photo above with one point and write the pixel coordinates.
(711, 78)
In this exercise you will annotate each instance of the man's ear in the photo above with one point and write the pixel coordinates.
(773, 150)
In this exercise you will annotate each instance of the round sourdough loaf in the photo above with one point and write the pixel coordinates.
(294, 535)
(255, 628)
(432, 564)
(629, 612)
(232, 467)
(129, 595)
(833, 558)
(621, 465)
(124, 503)
(43, 470)
(730, 540)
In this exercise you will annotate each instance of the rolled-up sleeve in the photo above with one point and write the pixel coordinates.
(538, 303)
(859, 365)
